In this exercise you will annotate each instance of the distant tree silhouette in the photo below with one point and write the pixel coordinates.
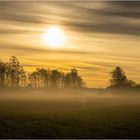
(73, 79)
(40, 78)
(62, 80)
(23, 79)
(119, 79)
(44, 77)
(13, 72)
(33, 77)
(2, 73)
(80, 82)
(55, 78)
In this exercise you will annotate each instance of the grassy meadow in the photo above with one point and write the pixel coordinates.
(69, 116)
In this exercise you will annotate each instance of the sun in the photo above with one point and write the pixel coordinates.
(54, 37)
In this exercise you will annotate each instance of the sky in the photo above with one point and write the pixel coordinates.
(99, 36)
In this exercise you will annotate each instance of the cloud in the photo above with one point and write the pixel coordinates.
(102, 17)
(39, 50)
(17, 31)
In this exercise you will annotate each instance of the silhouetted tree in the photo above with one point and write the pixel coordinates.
(13, 71)
(73, 80)
(40, 78)
(55, 78)
(2, 73)
(62, 80)
(33, 77)
(79, 82)
(74, 77)
(43, 77)
(118, 77)
(23, 78)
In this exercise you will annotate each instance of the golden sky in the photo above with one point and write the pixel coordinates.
(99, 37)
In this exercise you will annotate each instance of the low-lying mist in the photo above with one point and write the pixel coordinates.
(71, 96)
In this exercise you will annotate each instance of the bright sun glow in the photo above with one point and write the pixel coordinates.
(54, 37)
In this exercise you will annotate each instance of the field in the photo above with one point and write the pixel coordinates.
(69, 116)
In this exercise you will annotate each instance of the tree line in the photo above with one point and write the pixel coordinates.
(12, 74)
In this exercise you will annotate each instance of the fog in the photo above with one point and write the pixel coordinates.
(72, 96)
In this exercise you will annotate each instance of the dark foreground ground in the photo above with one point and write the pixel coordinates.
(66, 116)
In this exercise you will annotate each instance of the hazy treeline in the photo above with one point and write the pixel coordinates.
(12, 74)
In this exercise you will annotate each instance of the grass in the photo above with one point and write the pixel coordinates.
(96, 117)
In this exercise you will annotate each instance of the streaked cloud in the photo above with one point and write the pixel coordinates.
(104, 17)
